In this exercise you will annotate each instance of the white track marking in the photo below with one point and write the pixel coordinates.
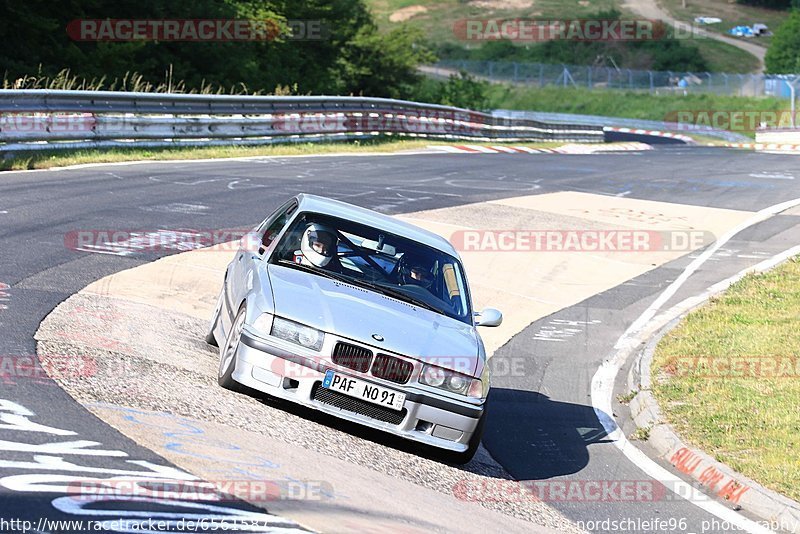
(673, 288)
(772, 175)
(604, 379)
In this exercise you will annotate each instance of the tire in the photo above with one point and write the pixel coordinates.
(227, 356)
(461, 458)
(210, 338)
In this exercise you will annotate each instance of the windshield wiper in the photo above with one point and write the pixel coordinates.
(314, 270)
(396, 293)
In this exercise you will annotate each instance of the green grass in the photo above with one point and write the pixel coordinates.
(750, 423)
(629, 104)
(437, 22)
(63, 158)
(440, 15)
(732, 14)
(722, 57)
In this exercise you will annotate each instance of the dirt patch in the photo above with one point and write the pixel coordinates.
(406, 13)
(499, 5)
(159, 363)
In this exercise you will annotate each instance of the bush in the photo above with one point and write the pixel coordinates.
(460, 90)
(783, 55)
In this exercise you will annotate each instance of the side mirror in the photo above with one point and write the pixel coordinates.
(488, 317)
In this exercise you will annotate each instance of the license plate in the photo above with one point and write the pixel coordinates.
(364, 390)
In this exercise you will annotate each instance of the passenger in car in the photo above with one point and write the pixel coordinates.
(415, 271)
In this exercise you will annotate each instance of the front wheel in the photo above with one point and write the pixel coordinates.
(461, 458)
(227, 358)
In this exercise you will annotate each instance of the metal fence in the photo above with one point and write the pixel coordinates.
(45, 120)
(657, 82)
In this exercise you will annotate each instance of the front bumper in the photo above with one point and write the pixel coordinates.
(430, 419)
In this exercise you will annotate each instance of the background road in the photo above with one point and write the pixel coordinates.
(542, 423)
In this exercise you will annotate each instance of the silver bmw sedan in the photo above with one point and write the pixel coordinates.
(358, 315)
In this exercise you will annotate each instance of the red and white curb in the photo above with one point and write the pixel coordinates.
(654, 133)
(564, 149)
(781, 147)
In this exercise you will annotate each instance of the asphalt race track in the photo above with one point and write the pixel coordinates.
(542, 423)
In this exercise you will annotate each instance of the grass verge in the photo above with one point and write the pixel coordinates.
(743, 414)
(436, 17)
(723, 57)
(628, 104)
(63, 158)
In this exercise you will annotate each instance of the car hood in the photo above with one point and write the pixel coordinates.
(357, 313)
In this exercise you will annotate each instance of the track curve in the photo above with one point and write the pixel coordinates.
(543, 427)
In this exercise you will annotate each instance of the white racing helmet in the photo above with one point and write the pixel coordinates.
(318, 244)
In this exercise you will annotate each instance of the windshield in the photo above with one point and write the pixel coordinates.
(377, 260)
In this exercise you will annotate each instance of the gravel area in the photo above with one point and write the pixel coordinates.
(144, 357)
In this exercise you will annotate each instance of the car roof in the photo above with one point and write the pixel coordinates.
(343, 210)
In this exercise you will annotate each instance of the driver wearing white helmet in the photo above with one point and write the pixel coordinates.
(318, 247)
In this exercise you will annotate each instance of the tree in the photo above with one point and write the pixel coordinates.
(772, 4)
(783, 54)
(352, 57)
(464, 91)
(375, 64)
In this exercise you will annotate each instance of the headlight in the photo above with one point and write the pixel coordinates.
(433, 376)
(451, 381)
(297, 333)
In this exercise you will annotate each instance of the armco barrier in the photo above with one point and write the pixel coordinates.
(44, 120)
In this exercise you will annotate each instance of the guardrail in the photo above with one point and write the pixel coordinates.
(33, 120)
(636, 124)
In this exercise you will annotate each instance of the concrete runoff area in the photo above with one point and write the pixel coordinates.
(145, 326)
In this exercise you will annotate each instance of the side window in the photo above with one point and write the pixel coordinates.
(276, 225)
